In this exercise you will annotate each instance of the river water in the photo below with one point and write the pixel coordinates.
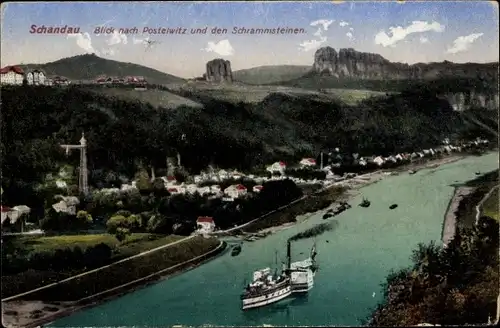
(354, 260)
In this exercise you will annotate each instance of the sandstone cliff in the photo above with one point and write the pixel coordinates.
(349, 63)
(461, 101)
(219, 70)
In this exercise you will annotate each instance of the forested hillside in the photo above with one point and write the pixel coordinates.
(122, 134)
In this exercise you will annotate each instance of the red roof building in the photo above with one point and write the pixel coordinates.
(240, 187)
(6, 209)
(15, 69)
(205, 219)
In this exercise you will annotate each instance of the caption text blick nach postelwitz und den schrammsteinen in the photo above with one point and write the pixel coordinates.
(65, 29)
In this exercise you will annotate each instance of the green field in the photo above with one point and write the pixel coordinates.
(156, 98)
(490, 206)
(270, 74)
(239, 92)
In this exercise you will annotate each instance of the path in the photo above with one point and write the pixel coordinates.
(450, 219)
(98, 269)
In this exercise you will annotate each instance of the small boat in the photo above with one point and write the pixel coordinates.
(236, 250)
(412, 171)
(327, 215)
(393, 206)
(365, 203)
(478, 173)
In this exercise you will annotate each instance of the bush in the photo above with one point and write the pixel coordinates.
(121, 234)
(116, 222)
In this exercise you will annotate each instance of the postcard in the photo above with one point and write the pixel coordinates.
(329, 163)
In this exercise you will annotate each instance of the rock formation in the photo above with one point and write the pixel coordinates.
(349, 63)
(219, 70)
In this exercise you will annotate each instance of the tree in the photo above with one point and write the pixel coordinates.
(143, 182)
(84, 218)
(115, 222)
(121, 234)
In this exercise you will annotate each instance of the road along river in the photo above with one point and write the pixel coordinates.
(354, 259)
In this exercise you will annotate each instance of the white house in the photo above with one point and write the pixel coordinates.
(235, 191)
(307, 162)
(378, 160)
(257, 188)
(223, 174)
(36, 77)
(205, 224)
(191, 188)
(237, 175)
(215, 188)
(12, 75)
(204, 190)
(174, 190)
(391, 159)
(399, 157)
(278, 167)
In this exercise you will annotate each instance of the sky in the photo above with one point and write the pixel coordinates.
(408, 32)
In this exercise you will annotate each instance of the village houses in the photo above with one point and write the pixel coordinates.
(307, 162)
(278, 167)
(205, 224)
(13, 75)
(36, 77)
(235, 191)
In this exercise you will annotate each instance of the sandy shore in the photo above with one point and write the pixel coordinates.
(450, 217)
(356, 183)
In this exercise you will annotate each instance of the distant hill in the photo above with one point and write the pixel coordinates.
(90, 66)
(351, 69)
(270, 74)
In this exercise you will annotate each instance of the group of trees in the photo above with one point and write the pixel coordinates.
(151, 208)
(16, 260)
(455, 285)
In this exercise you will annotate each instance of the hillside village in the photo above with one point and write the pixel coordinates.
(207, 184)
(15, 75)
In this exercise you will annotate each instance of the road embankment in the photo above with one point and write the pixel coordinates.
(42, 307)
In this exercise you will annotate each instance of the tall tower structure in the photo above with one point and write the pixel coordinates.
(83, 176)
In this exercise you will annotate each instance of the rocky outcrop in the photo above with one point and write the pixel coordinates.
(219, 70)
(349, 63)
(461, 101)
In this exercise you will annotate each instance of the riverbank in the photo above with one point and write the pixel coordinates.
(450, 217)
(351, 187)
(32, 311)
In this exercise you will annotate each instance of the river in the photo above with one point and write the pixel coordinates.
(354, 260)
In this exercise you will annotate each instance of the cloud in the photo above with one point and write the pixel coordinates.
(324, 22)
(84, 41)
(400, 33)
(117, 38)
(109, 52)
(350, 36)
(223, 48)
(463, 43)
(423, 39)
(309, 45)
(313, 44)
(343, 23)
